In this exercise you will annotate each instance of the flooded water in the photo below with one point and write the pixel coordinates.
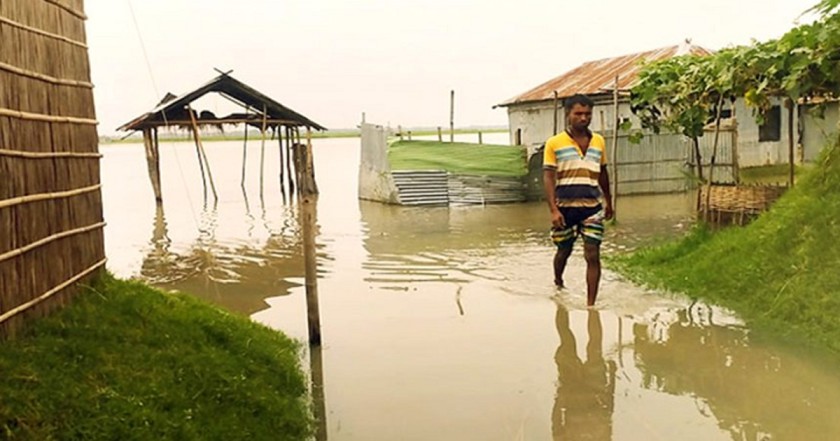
(443, 323)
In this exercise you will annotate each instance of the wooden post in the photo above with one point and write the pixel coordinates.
(714, 156)
(153, 162)
(409, 135)
(452, 116)
(289, 142)
(615, 147)
(316, 368)
(280, 144)
(480, 141)
(308, 218)
(556, 112)
(244, 150)
(202, 154)
(790, 106)
(262, 150)
(440, 135)
(399, 132)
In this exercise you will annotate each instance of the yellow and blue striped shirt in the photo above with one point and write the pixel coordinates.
(577, 173)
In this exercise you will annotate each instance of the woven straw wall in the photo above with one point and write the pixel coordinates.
(50, 204)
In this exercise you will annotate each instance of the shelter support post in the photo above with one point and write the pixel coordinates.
(282, 161)
(262, 152)
(202, 155)
(153, 161)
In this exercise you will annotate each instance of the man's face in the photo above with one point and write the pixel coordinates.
(580, 116)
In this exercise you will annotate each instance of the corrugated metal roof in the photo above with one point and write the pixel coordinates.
(598, 77)
(229, 86)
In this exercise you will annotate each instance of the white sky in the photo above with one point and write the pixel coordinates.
(395, 60)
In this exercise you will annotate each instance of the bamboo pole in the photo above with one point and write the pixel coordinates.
(290, 139)
(202, 155)
(48, 196)
(262, 151)
(47, 118)
(42, 32)
(30, 304)
(48, 155)
(282, 165)
(399, 131)
(556, 112)
(440, 134)
(791, 161)
(45, 78)
(452, 116)
(713, 158)
(244, 150)
(615, 147)
(480, 141)
(39, 243)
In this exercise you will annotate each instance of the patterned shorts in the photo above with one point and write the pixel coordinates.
(586, 222)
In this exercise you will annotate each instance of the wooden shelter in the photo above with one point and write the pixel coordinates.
(258, 110)
(51, 227)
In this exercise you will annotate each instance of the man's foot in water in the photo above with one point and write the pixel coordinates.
(559, 284)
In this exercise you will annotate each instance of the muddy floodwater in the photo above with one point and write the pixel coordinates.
(443, 323)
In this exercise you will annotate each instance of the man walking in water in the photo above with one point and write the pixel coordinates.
(575, 178)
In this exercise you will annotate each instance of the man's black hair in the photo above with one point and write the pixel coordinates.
(577, 98)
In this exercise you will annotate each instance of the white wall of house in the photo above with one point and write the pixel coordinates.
(533, 123)
(753, 151)
(816, 131)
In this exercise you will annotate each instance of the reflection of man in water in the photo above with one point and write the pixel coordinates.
(584, 402)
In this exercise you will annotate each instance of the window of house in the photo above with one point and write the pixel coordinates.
(771, 130)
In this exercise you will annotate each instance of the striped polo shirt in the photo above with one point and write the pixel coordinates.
(577, 174)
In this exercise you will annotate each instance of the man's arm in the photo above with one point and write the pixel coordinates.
(549, 182)
(604, 183)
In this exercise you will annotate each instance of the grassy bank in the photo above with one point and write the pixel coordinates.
(128, 362)
(780, 271)
(458, 157)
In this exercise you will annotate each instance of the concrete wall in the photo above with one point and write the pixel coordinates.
(375, 181)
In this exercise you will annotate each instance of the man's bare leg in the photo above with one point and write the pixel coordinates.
(592, 254)
(560, 259)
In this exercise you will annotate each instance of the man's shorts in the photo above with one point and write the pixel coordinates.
(580, 221)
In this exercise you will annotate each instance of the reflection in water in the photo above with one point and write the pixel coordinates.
(235, 274)
(754, 393)
(585, 398)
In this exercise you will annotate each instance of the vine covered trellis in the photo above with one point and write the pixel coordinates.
(684, 94)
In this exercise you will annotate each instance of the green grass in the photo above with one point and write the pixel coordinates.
(779, 272)
(126, 362)
(458, 157)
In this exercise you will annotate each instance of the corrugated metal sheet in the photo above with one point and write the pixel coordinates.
(598, 77)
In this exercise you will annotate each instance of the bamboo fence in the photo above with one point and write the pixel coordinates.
(51, 226)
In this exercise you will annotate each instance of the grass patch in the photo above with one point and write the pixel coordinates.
(458, 157)
(771, 174)
(125, 361)
(778, 272)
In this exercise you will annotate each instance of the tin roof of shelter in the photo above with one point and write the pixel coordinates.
(172, 110)
(598, 77)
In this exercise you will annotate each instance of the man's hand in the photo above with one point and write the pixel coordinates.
(557, 220)
(609, 213)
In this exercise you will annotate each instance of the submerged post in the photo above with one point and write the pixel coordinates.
(202, 155)
(308, 196)
(615, 146)
(262, 151)
(153, 161)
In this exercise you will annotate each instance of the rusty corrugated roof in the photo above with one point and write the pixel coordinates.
(598, 77)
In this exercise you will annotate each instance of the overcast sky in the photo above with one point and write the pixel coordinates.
(395, 60)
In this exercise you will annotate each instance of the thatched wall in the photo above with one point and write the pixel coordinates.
(50, 204)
